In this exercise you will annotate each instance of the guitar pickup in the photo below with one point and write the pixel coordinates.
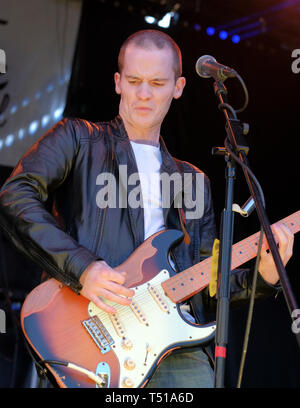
(159, 299)
(134, 306)
(118, 326)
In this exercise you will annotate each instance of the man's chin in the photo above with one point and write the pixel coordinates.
(144, 121)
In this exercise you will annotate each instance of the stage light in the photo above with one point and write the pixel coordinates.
(57, 113)
(9, 140)
(197, 27)
(166, 20)
(33, 127)
(21, 134)
(235, 38)
(45, 120)
(223, 35)
(50, 88)
(150, 19)
(25, 102)
(210, 31)
(13, 109)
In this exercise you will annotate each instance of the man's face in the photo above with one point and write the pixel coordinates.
(147, 86)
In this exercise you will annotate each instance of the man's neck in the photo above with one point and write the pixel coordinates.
(146, 136)
(144, 141)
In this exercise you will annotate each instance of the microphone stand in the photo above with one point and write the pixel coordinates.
(236, 140)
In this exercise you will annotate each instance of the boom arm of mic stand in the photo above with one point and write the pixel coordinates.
(286, 287)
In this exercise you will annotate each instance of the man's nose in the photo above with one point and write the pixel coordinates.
(144, 91)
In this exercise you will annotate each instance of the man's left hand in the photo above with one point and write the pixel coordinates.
(267, 267)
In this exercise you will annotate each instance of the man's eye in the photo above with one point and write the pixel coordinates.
(158, 83)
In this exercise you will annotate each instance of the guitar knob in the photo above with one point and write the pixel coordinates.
(127, 382)
(129, 364)
(126, 344)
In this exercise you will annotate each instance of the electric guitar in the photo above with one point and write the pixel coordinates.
(83, 346)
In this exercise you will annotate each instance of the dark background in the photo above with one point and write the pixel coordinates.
(193, 126)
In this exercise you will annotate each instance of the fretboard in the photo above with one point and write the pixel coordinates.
(191, 281)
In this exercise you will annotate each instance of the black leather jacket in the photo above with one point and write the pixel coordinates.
(48, 208)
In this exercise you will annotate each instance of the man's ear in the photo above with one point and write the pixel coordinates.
(117, 78)
(180, 84)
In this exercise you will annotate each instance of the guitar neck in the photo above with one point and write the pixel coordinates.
(192, 280)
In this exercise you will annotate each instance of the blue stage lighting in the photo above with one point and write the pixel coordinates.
(50, 88)
(25, 102)
(235, 38)
(223, 35)
(9, 140)
(57, 113)
(13, 109)
(21, 134)
(210, 31)
(33, 127)
(45, 120)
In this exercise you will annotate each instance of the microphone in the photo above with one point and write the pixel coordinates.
(207, 66)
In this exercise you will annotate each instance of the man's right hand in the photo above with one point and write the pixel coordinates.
(99, 280)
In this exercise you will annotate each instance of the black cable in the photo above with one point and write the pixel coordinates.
(249, 171)
(245, 91)
(255, 273)
(229, 107)
(250, 312)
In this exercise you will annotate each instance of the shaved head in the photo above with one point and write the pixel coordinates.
(149, 39)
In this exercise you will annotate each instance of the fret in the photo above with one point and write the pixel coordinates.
(186, 283)
(253, 241)
(250, 250)
(191, 281)
(293, 223)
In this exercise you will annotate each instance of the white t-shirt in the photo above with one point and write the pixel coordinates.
(148, 159)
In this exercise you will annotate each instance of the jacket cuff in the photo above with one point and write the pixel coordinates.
(77, 266)
(264, 284)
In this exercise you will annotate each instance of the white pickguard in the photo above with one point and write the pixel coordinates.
(164, 330)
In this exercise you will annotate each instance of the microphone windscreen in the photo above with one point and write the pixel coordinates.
(200, 65)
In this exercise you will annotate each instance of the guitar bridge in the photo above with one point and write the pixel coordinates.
(99, 334)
